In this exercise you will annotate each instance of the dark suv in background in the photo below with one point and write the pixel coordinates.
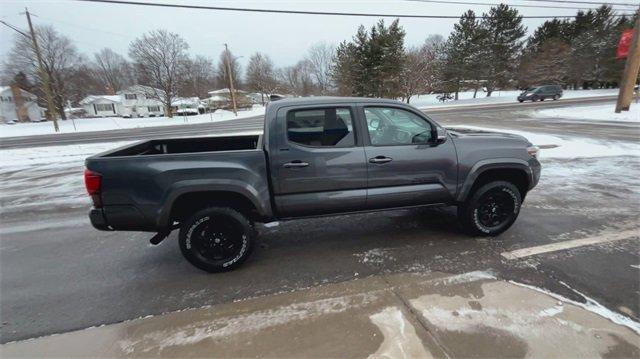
(541, 93)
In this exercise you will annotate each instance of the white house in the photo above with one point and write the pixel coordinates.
(17, 104)
(134, 101)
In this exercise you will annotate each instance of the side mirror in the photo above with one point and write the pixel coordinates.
(440, 136)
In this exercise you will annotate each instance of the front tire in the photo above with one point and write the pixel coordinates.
(216, 239)
(491, 209)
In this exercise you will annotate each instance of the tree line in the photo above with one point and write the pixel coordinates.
(485, 53)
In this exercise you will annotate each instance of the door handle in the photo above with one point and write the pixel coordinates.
(295, 164)
(380, 159)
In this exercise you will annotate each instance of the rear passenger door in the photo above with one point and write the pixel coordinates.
(319, 165)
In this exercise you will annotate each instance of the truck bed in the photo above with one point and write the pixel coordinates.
(187, 145)
(141, 181)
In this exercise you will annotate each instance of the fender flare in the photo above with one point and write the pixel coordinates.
(189, 186)
(490, 164)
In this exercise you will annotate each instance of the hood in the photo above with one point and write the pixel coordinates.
(462, 132)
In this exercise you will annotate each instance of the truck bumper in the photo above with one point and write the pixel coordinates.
(98, 221)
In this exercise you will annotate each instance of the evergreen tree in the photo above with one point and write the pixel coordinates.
(503, 45)
(549, 65)
(464, 49)
(372, 64)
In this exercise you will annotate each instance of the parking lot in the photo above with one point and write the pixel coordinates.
(577, 236)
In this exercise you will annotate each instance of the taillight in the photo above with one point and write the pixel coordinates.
(93, 182)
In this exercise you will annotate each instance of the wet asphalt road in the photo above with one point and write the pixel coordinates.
(58, 274)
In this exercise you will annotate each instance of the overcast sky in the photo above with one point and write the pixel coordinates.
(283, 37)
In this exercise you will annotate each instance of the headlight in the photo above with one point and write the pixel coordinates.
(533, 151)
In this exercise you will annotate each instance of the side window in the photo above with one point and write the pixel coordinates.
(327, 127)
(393, 126)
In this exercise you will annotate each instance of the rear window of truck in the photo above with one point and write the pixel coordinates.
(326, 127)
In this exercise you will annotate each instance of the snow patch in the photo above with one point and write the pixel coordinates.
(374, 256)
(591, 113)
(468, 277)
(591, 305)
(400, 338)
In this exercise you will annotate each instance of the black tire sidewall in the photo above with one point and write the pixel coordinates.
(208, 214)
(469, 211)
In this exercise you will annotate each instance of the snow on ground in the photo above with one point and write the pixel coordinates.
(466, 98)
(557, 146)
(32, 177)
(118, 123)
(591, 113)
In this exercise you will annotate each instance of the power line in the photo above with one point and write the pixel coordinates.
(299, 12)
(496, 4)
(14, 29)
(585, 2)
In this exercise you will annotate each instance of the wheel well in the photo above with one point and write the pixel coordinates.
(518, 177)
(189, 203)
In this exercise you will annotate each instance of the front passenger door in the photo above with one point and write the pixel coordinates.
(405, 166)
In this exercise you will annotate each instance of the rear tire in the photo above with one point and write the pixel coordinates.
(216, 239)
(491, 209)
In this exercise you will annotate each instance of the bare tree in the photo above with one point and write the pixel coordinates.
(222, 74)
(112, 70)
(260, 75)
(321, 59)
(60, 60)
(161, 58)
(297, 79)
(199, 77)
(421, 71)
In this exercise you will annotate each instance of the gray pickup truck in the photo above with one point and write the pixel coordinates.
(316, 156)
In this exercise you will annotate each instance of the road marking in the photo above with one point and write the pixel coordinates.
(553, 247)
(636, 266)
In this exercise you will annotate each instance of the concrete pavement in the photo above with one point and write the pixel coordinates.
(389, 316)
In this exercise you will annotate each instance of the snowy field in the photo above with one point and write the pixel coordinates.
(592, 113)
(466, 98)
(118, 123)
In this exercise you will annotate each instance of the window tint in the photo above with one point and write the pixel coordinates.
(329, 127)
(392, 126)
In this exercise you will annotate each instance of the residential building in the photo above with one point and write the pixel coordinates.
(134, 101)
(18, 105)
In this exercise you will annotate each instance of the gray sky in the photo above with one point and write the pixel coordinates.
(285, 38)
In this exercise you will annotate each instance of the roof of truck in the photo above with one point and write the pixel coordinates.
(318, 100)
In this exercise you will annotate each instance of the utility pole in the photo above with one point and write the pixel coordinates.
(44, 75)
(630, 74)
(233, 93)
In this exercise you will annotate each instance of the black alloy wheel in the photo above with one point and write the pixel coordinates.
(216, 239)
